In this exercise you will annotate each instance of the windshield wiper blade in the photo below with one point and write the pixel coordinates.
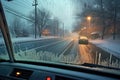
(3, 60)
(98, 66)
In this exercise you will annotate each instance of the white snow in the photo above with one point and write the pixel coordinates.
(32, 55)
(22, 39)
(109, 45)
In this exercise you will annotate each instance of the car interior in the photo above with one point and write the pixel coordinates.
(12, 69)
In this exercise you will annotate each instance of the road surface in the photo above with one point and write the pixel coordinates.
(85, 55)
(65, 49)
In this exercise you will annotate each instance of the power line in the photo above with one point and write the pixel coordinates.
(26, 1)
(27, 4)
(17, 14)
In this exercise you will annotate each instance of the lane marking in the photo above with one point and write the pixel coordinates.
(45, 45)
(67, 47)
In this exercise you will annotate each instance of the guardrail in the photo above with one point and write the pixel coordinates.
(104, 57)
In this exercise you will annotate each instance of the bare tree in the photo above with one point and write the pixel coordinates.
(42, 19)
(112, 12)
(53, 26)
(105, 16)
(17, 27)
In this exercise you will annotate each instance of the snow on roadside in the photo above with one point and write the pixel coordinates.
(32, 55)
(22, 39)
(109, 45)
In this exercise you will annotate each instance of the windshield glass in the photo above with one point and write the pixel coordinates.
(49, 31)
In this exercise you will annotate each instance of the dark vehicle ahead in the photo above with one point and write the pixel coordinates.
(83, 40)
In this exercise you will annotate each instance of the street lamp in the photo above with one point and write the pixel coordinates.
(82, 31)
(88, 19)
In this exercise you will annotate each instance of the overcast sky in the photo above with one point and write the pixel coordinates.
(65, 10)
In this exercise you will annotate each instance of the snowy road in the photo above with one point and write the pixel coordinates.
(55, 45)
(85, 55)
(23, 46)
(62, 49)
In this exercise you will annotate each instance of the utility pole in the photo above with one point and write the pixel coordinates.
(103, 23)
(115, 15)
(63, 30)
(35, 3)
(58, 32)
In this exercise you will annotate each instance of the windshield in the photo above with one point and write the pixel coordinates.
(49, 31)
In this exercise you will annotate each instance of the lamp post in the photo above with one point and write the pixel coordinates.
(83, 31)
(88, 19)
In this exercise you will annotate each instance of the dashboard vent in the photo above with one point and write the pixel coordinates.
(64, 78)
(21, 73)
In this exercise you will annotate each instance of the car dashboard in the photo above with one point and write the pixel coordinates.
(22, 71)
